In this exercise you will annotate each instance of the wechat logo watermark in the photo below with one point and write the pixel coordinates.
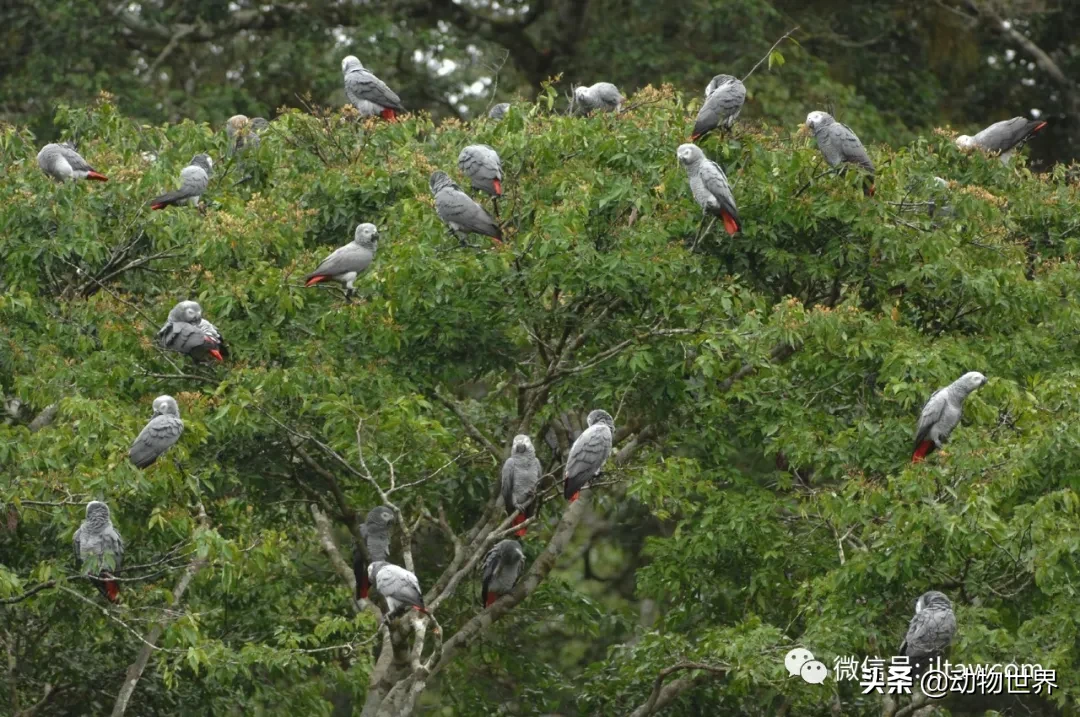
(800, 662)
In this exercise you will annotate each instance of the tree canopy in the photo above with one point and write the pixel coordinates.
(765, 388)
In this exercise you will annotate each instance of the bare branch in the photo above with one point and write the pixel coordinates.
(783, 37)
(663, 694)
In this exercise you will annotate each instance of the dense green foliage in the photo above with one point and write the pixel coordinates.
(765, 389)
(894, 68)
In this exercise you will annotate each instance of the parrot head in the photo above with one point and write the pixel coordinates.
(932, 599)
(439, 181)
(97, 509)
(204, 161)
(523, 445)
(351, 63)
(601, 416)
(381, 516)
(373, 571)
(367, 236)
(187, 311)
(689, 154)
(971, 381)
(258, 124)
(236, 125)
(166, 406)
(965, 142)
(817, 119)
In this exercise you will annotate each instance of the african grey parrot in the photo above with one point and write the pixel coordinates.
(398, 586)
(499, 111)
(501, 569)
(838, 144)
(459, 211)
(588, 454)
(722, 106)
(481, 164)
(932, 629)
(243, 132)
(61, 162)
(710, 186)
(160, 433)
(194, 179)
(376, 531)
(347, 262)
(1002, 137)
(602, 96)
(187, 332)
(942, 412)
(99, 549)
(368, 93)
(520, 475)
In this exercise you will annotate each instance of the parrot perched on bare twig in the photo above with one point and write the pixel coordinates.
(99, 549)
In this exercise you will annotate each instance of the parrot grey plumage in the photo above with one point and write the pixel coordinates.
(603, 97)
(942, 413)
(61, 162)
(839, 145)
(187, 332)
(1002, 136)
(368, 94)
(244, 133)
(588, 454)
(499, 111)
(377, 531)
(99, 549)
(520, 476)
(160, 433)
(721, 108)
(502, 567)
(481, 164)
(347, 262)
(459, 212)
(194, 179)
(933, 628)
(710, 186)
(399, 586)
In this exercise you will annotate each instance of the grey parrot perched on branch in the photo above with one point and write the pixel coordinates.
(520, 476)
(99, 549)
(244, 133)
(481, 164)
(368, 93)
(839, 145)
(61, 162)
(1002, 137)
(377, 531)
(722, 106)
(399, 586)
(499, 111)
(502, 567)
(588, 454)
(942, 413)
(602, 96)
(159, 435)
(932, 629)
(187, 332)
(710, 186)
(459, 212)
(194, 179)
(347, 262)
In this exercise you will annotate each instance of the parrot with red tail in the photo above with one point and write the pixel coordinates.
(588, 454)
(376, 531)
(520, 476)
(99, 549)
(710, 187)
(368, 94)
(187, 332)
(942, 413)
(61, 162)
(398, 586)
(349, 261)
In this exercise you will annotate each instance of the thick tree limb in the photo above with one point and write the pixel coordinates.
(662, 694)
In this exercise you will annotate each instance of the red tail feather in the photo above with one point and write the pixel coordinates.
(574, 497)
(101, 177)
(498, 187)
(217, 354)
(693, 137)
(364, 591)
(920, 452)
(491, 597)
(420, 609)
(388, 114)
(730, 225)
(156, 207)
(1038, 127)
(315, 280)
(112, 590)
(518, 521)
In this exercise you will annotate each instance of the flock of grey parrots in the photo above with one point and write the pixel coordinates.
(97, 543)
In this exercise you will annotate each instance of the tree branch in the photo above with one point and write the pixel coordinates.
(662, 694)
